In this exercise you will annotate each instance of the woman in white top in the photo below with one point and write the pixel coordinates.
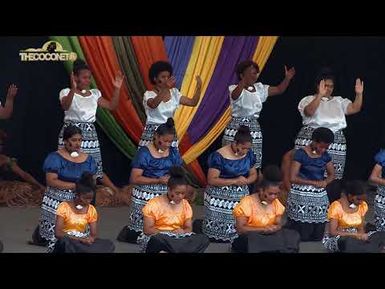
(246, 100)
(162, 102)
(80, 105)
(324, 110)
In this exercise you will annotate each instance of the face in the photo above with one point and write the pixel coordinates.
(85, 199)
(164, 142)
(357, 200)
(269, 194)
(177, 193)
(73, 143)
(83, 79)
(319, 147)
(250, 75)
(162, 78)
(241, 149)
(329, 84)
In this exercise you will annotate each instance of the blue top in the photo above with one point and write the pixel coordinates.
(232, 168)
(380, 160)
(311, 168)
(66, 170)
(156, 167)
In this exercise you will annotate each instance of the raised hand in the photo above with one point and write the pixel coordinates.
(12, 91)
(359, 87)
(289, 74)
(322, 88)
(171, 82)
(118, 80)
(73, 81)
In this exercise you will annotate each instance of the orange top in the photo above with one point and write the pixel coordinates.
(165, 218)
(258, 215)
(74, 222)
(347, 220)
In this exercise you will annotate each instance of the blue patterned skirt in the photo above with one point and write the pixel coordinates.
(51, 200)
(219, 222)
(141, 194)
(307, 204)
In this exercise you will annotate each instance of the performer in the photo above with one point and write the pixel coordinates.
(246, 99)
(80, 104)
(162, 102)
(76, 222)
(345, 231)
(231, 170)
(324, 110)
(308, 201)
(259, 219)
(149, 176)
(63, 169)
(168, 220)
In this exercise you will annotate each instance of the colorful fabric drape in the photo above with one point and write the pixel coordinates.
(214, 58)
(101, 57)
(148, 49)
(264, 48)
(103, 117)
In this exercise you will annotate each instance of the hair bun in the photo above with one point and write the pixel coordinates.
(244, 129)
(170, 122)
(176, 172)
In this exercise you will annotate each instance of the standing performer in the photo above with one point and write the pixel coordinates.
(80, 104)
(324, 110)
(162, 102)
(246, 100)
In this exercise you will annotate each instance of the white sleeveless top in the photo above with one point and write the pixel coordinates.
(330, 113)
(164, 110)
(249, 103)
(83, 108)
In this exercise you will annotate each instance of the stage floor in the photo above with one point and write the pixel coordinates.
(17, 225)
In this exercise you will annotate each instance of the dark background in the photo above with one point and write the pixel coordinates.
(37, 118)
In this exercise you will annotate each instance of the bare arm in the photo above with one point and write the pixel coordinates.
(7, 110)
(93, 230)
(252, 176)
(66, 101)
(356, 106)
(52, 180)
(285, 169)
(335, 231)
(193, 101)
(242, 227)
(281, 88)
(149, 226)
(235, 94)
(137, 178)
(213, 179)
(294, 178)
(160, 96)
(187, 226)
(113, 104)
(311, 108)
(330, 173)
(25, 176)
(376, 175)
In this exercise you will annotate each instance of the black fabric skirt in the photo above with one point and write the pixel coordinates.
(68, 245)
(283, 241)
(171, 243)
